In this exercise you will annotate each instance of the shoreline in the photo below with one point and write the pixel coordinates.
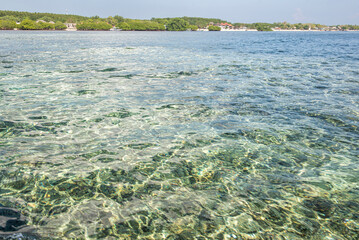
(43, 21)
(199, 30)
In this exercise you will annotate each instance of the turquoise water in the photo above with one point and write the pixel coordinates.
(116, 135)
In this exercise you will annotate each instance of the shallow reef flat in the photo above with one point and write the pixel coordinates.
(159, 135)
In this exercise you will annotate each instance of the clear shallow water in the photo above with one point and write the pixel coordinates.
(181, 135)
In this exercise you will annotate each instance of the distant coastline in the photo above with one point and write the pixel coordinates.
(14, 20)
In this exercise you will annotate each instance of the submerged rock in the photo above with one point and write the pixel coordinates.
(13, 225)
(321, 205)
(305, 227)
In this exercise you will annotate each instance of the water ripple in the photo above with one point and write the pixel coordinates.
(181, 135)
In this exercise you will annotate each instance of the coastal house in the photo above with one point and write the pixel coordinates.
(42, 21)
(71, 27)
(224, 26)
(115, 29)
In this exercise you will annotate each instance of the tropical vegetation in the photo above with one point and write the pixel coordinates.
(177, 24)
(49, 21)
(20, 16)
(93, 24)
(193, 27)
(196, 21)
(214, 28)
(7, 24)
(263, 27)
(28, 24)
(140, 25)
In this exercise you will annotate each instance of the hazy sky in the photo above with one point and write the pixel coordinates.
(319, 11)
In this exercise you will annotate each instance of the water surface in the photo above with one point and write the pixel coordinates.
(108, 135)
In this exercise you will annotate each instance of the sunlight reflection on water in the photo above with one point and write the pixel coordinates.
(181, 135)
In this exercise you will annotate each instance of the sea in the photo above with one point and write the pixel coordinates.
(180, 135)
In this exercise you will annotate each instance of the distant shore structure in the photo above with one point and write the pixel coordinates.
(71, 27)
(38, 21)
(224, 26)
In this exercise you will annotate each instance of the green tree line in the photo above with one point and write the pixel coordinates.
(20, 16)
(194, 21)
(140, 25)
(7, 25)
(28, 24)
(174, 24)
(350, 27)
(8, 21)
(214, 28)
(93, 24)
(295, 26)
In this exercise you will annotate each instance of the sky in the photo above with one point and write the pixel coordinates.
(329, 12)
